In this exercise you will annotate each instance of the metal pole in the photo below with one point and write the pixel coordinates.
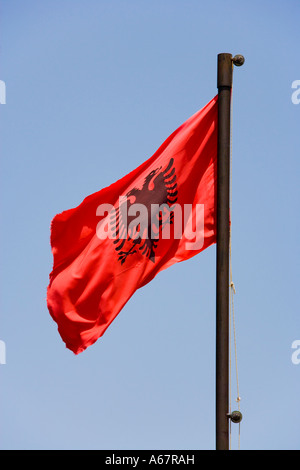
(224, 83)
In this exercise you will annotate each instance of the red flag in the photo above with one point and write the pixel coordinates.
(119, 238)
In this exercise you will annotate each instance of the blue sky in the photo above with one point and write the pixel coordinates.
(92, 90)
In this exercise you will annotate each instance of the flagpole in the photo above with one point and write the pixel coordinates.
(224, 84)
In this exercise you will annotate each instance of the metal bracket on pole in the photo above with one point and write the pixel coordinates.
(235, 416)
(238, 60)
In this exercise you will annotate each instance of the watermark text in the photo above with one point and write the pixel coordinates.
(2, 92)
(139, 221)
(2, 352)
(296, 353)
(296, 94)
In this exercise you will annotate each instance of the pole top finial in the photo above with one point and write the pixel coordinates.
(238, 60)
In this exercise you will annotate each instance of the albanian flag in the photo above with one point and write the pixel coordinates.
(119, 238)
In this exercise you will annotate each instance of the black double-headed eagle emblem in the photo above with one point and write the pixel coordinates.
(152, 202)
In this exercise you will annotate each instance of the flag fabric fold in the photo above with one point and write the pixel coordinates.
(119, 238)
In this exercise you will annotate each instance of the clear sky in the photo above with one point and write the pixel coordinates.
(92, 89)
